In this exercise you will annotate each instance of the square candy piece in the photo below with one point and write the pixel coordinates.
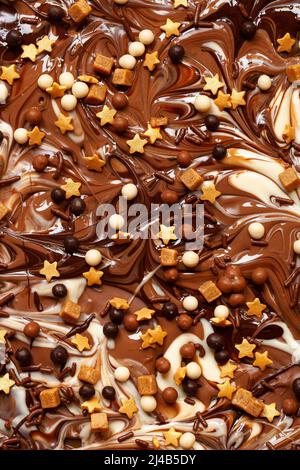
(103, 64)
(147, 385)
(96, 94)
(210, 291)
(168, 257)
(79, 11)
(89, 374)
(70, 312)
(289, 179)
(122, 77)
(191, 179)
(50, 398)
(99, 422)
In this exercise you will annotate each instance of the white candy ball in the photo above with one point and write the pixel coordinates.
(116, 221)
(256, 230)
(3, 93)
(122, 374)
(127, 61)
(68, 102)
(297, 247)
(190, 303)
(146, 36)
(136, 49)
(264, 82)
(45, 81)
(66, 79)
(202, 103)
(221, 311)
(93, 257)
(148, 403)
(21, 135)
(129, 191)
(187, 440)
(120, 2)
(80, 90)
(190, 259)
(193, 370)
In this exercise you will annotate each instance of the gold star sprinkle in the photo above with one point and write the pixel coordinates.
(228, 370)
(213, 84)
(270, 412)
(179, 375)
(56, 90)
(144, 314)
(255, 308)
(172, 437)
(106, 116)
(151, 60)
(210, 193)
(93, 277)
(136, 144)
(9, 74)
(81, 342)
(71, 188)
(119, 304)
(49, 270)
(237, 98)
(245, 349)
(153, 337)
(88, 79)
(155, 443)
(223, 100)
(2, 336)
(178, 3)
(128, 407)
(222, 322)
(94, 163)
(285, 43)
(153, 133)
(45, 44)
(262, 360)
(166, 234)
(6, 384)
(91, 405)
(226, 390)
(35, 136)
(288, 133)
(29, 52)
(171, 28)
(64, 123)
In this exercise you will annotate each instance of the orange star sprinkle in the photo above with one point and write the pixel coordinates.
(56, 90)
(255, 308)
(136, 144)
(172, 437)
(179, 375)
(153, 133)
(171, 28)
(6, 384)
(94, 163)
(119, 304)
(106, 116)
(91, 405)
(210, 193)
(71, 188)
(213, 84)
(35, 136)
(288, 133)
(64, 123)
(153, 337)
(237, 98)
(262, 360)
(81, 342)
(144, 314)
(29, 52)
(49, 270)
(285, 43)
(151, 60)
(128, 407)
(226, 390)
(228, 370)
(9, 74)
(93, 277)
(223, 100)
(270, 412)
(245, 349)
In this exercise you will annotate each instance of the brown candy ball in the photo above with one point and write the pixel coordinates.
(224, 284)
(290, 406)
(162, 365)
(236, 299)
(238, 284)
(32, 329)
(184, 322)
(120, 124)
(119, 101)
(170, 395)
(184, 158)
(39, 163)
(33, 116)
(259, 276)
(188, 350)
(171, 274)
(130, 322)
(169, 197)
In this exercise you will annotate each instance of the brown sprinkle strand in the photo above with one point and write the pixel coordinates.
(125, 436)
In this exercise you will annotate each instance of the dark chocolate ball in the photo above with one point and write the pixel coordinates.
(211, 122)
(120, 124)
(116, 316)
(259, 276)
(77, 206)
(248, 30)
(188, 350)
(71, 244)
(162, 365)
(14, 38)
(296, 388)
(40, 162)
(184, 158)
(176, 53)
(215, 341)
(171, 274)
(33, 116)
(59, 290)
(189, 387)
(169, 310)
(32, 329)
(290, 406)
(169, 197)
(110, 330)
(24, 357)
(59, 355)
(55, 14)
(130, 322)
(119, 101)
(219, 152)
(184, 322)
(87, 391)
(108, 393)
(222, 356)
(58, 195)
(170, 395)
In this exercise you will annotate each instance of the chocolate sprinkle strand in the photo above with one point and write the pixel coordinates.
(81, 327)
(125, 436)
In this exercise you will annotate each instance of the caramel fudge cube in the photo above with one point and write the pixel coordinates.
(191, 179)
(70, 312)
(210, 291)
(79, 10)
(99, 422)
(122, 77)
(158, 121)
(245, 400)
(168, 257)
(96, 94)
(89, 374)
(147, 385)
(289, 179)
(50, 398)
(293, 73)
(103, 64)
(3, 210)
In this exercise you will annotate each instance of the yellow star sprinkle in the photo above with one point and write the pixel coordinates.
(128, 407)
(151, 60)
(155, 443)
(56, 90)
(226, 390)
(91, 405)
(93, 277)
(49, 270)
(237, 98)
(288, 133)
(119, 304)
(106, 116)
(255, 308)
(245, 349)
(45, 44)
(81, 342)
(270, 412)
(171, 28)
(152, 337)
(153, 133)
(35, 136)
(179, 375)
(210, 193)
(71, 188)
(29, 52)
(178, 3)
(6, 384)
(262, 360)
(136, 144)
(144, 314)
(94, 163)
(64, 123)
(228, 370)
(9, 74)
(213, 84)
(166, 234)
(87, 79)
(2, 336)
(285, 43)
(172, 437)
(222, 100)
